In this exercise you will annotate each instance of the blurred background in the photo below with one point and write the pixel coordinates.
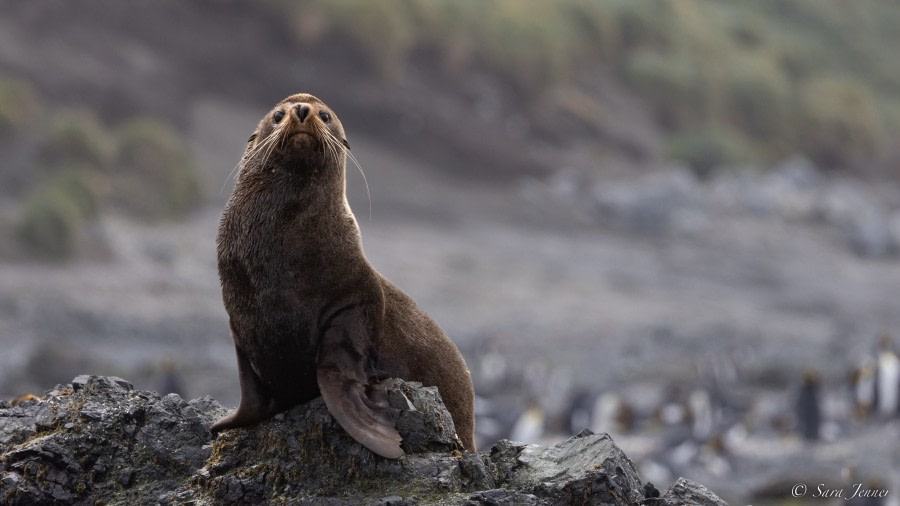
(674, 221)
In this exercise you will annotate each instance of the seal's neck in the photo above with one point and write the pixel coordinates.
(293, 194)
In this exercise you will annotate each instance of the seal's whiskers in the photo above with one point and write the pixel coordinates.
(338, 145)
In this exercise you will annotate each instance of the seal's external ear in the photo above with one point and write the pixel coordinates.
(345, 143)
(360, 408)
(252, 137)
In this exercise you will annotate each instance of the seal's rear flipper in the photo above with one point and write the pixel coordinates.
(359, 414)
(362, 410)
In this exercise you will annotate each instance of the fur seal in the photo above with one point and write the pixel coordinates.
(308, 314)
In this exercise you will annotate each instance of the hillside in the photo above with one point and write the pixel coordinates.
(525, 191)
(725, 82)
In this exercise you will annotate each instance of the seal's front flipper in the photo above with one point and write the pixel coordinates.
(358, 407)
(256, 404)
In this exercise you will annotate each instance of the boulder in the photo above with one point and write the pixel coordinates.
(98, 439)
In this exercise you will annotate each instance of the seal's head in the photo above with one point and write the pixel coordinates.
(299, 134)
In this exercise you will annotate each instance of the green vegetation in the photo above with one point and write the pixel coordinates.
(18, 105)
(531, 42)
(841, 122)
(146, 170)
(76, 136)
(49, 227)
(707, 149)
(54, 214)
(780, 76)
(82, 186)
(157, 176)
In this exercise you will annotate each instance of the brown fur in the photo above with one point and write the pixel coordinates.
(308, 313)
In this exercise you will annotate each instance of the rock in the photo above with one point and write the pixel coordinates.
(789, 191)
(655, 203)
(585, 466)
(502, 497)
(843, 202)
(685, 491)
(870, 235)
(800, 171)
(99, 440)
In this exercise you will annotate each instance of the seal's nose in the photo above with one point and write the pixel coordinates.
(301, 111)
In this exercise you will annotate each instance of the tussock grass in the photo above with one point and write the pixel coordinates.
(156, 177)
(18, 106)
(767, 71)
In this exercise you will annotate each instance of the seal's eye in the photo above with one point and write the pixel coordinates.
(278, 116)
(325, 116)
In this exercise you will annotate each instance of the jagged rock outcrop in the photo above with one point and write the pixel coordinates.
(100, 440)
